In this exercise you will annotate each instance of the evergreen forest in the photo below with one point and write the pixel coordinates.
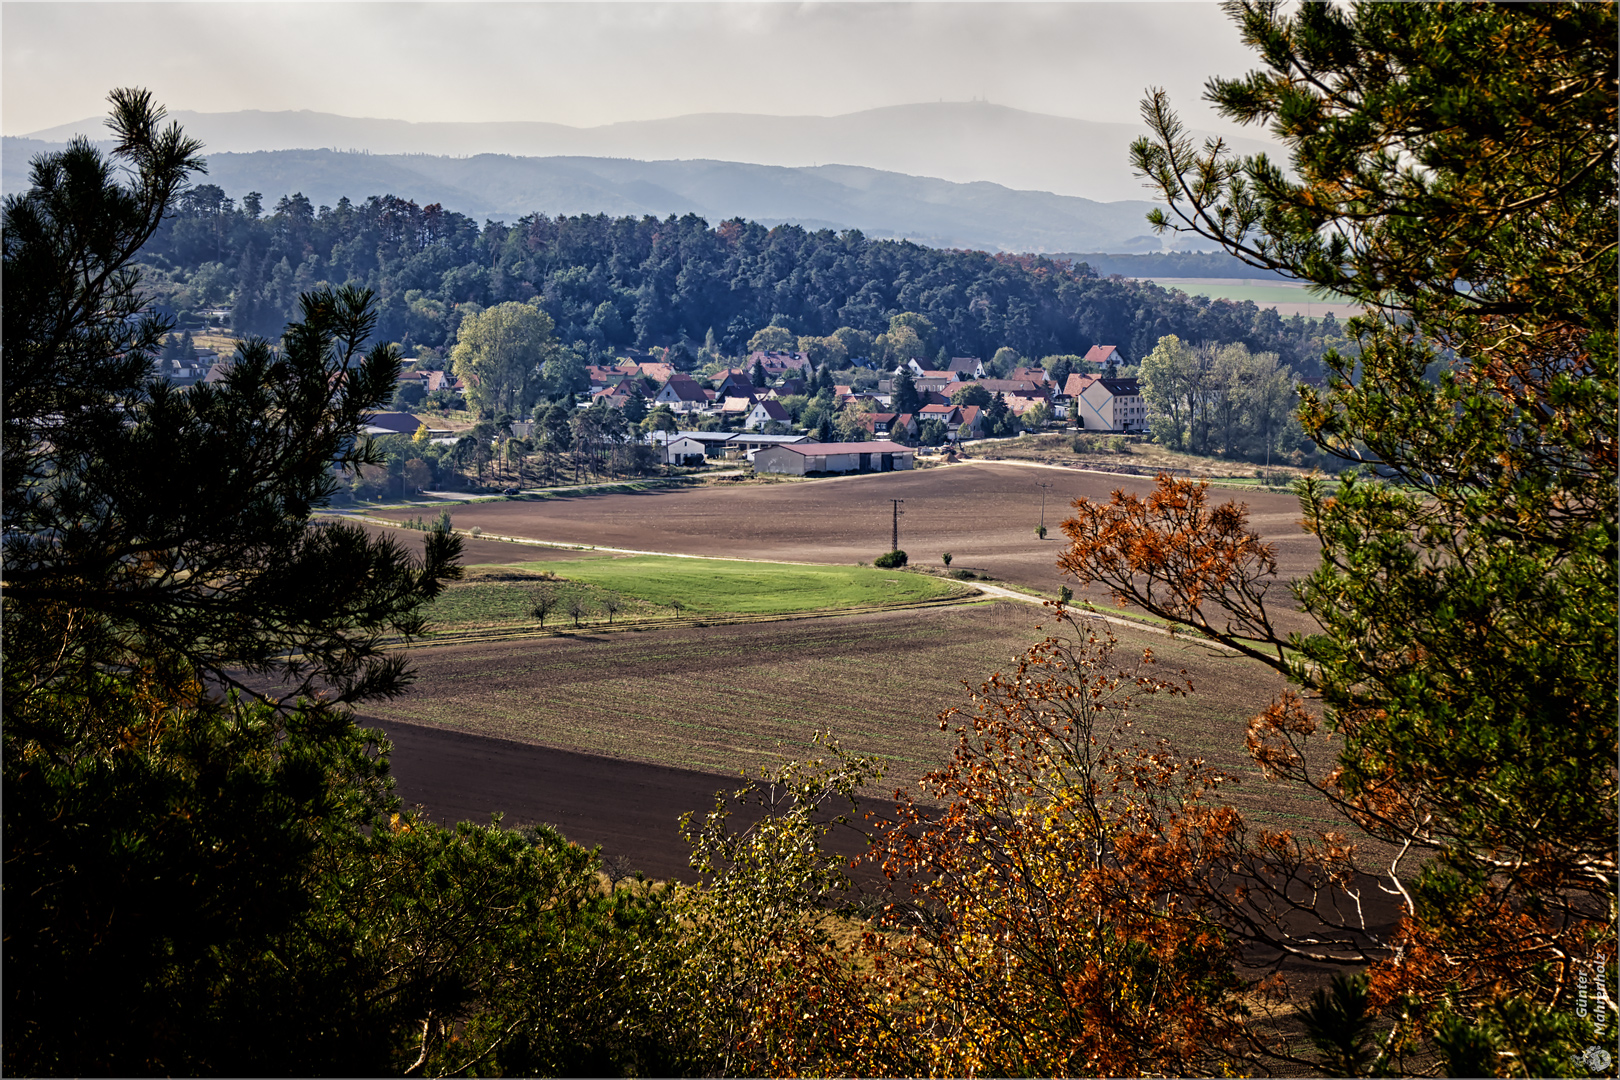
(615, 284)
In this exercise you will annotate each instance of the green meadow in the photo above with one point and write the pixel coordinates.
(651, 586)
(746, 588)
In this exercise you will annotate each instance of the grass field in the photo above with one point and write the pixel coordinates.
(650, 586)
(748, 588)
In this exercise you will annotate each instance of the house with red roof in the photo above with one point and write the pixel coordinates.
(1100, 356)
(683, 395)
(766, 411)
(969, 423)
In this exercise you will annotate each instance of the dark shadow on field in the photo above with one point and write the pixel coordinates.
(629, 809)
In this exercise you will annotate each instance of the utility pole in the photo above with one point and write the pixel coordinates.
(1043, 488)
(895, 542)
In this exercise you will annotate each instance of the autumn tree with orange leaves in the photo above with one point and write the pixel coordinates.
(1036, 919)
(1453, 171)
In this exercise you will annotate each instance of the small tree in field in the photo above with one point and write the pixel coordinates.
(577, 608)
(946, 559)
(611, 603)
(545, 602)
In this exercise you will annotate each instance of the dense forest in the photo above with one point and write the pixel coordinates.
(611, 284)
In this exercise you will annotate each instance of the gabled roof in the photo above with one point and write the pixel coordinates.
(1076, 384)
(876, 446)
(773, 410)
(968, 364)
(659, 373)
(397, 423)
(684, 388)
(1032, 374)
(1007, 386)
(1122, 387)
(1101, 354)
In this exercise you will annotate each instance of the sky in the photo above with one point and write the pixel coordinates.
(597, 63)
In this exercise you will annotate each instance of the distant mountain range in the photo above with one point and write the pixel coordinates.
(954, 175)
(884, 205)
(957, 141)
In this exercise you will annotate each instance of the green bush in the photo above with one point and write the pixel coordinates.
(890, 559)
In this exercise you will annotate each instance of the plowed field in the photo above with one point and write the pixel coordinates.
(984, 514)
(721, 699)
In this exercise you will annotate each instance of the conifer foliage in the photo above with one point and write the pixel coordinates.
(1453, 169)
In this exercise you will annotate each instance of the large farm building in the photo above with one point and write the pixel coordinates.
(801, 459)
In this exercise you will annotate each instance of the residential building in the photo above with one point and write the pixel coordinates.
(682, 394)
(1110, 405)
(766, 412)
(1100, 356)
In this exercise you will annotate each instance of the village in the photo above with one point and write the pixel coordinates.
(751, 412)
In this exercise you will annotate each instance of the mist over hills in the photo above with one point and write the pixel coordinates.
(956, 141)
(884, 205)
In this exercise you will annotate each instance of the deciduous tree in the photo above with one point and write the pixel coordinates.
(501, 353)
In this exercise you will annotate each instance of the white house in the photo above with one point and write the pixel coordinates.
(682, 394)
(765, 412)
(1100, 356)
(684, 451)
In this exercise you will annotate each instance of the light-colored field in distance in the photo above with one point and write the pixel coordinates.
(1289, 299)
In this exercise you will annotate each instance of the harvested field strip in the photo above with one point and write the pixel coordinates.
(723, 698)
(597, 624)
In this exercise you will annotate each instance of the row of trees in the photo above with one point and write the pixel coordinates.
(608, 284)
(1209, 399)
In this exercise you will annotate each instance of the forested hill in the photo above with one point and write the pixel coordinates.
(885, 204)
(614, 283)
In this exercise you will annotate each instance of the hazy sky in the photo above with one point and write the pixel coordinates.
(596, 63)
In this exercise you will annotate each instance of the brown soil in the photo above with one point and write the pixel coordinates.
(984, 514)
(724, 699)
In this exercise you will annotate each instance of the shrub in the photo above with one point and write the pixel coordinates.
(946, 559)
(890, 559)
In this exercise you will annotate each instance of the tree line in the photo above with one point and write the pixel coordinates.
(610, 284)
